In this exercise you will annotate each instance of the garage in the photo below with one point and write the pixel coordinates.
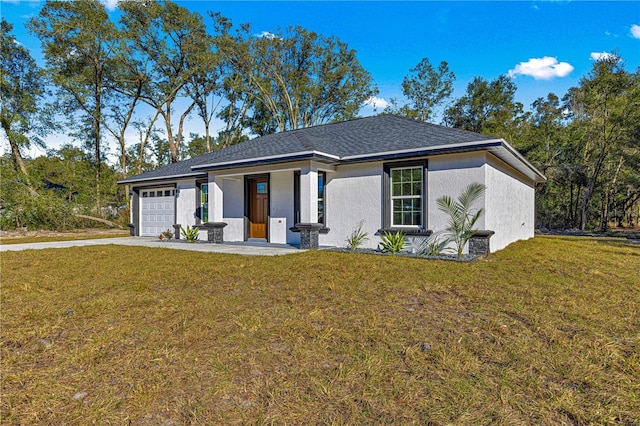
(157, 210)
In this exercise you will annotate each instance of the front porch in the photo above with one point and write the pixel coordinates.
(282, 205)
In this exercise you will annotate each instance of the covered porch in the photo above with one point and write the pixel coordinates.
(279, 204)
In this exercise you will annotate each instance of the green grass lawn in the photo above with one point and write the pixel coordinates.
(544, 332)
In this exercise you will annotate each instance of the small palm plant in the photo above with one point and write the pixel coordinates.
(462, 218)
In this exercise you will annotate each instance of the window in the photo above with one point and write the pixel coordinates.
(261, 188)
(322, 180)
(204, 202)
(406, 196)
(296, 197)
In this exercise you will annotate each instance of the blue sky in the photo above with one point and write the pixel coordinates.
(546, 46)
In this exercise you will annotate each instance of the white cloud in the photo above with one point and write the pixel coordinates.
(267, 34)
(544, 68)
(635, 31)
(111, 5)
(597, 56)
(376, 102)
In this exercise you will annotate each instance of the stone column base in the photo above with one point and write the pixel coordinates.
(215, 232)
(176, 231)
(132, 229)
(479, 243)
(309, 233)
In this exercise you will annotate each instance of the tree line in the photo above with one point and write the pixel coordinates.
(160, 64)
(586, 142)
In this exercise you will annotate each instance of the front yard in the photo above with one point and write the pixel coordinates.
(544, 332)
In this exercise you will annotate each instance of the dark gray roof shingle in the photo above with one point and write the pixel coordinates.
(363, 136)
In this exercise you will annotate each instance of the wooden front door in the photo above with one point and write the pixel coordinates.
(258, 207)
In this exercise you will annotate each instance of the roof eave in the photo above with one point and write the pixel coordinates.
(160, 178)
(509, 155)
(256, 161)
(537, 175)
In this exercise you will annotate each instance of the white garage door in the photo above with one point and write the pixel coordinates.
(157, 210)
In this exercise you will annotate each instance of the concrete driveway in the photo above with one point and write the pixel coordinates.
(247, 249)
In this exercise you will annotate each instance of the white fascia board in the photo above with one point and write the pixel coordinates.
(512, 151)
(159, 178)
(454, 146)
(267, 158)
(497, 144)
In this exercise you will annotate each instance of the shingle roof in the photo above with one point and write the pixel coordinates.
(355, 138)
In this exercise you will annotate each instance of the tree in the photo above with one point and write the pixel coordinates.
(78, 43)
(21, 96)
(126, 83)
(487, 107)
(172, 45)
(297, 78)
(196, 146)
(205, 88)
(426, 88)
(606, 119)
(544, 140)
(64, 179)
(139, 157)
(235, 87)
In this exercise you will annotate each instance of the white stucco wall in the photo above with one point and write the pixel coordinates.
(186, 203)
(233, 208)
(353, 194)
(450, 175)
(510, 204)
(281, 208)
(233, 198)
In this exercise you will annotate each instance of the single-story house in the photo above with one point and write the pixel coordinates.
(316, 185)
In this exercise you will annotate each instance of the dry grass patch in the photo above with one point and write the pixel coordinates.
(43, 236)
(544, 332)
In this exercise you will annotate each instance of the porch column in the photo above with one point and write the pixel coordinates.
(309, 195)
(309, 226)
(215, 199)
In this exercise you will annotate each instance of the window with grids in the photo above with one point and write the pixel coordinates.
(406, 196)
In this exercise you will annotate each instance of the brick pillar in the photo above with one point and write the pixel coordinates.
(479, 243)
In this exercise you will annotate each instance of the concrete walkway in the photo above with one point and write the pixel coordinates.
(232, 248)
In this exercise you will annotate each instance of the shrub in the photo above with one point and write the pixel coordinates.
(357, 238)
(435, 245)
(393, 242)
(190, 233)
